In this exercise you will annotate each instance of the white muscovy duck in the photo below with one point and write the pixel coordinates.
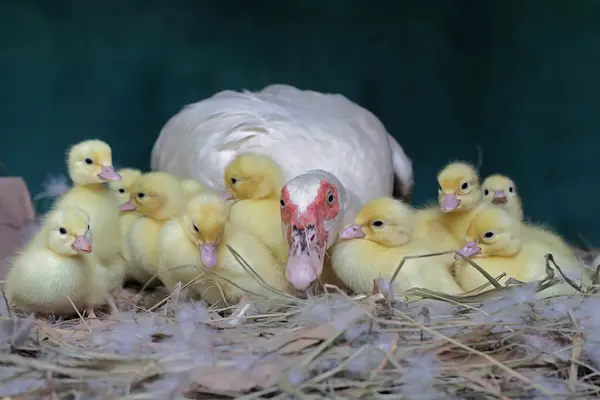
(301, 130)
(315, 207)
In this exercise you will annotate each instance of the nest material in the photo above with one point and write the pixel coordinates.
(505, 345)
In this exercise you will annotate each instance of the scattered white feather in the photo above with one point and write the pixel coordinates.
(418, 379)
(53, 186)
(558, 387)
(296, 376)
(510, 309)
(320, 310)
(129, 336)
(370, 356)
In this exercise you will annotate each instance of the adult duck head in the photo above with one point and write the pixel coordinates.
(315, 207)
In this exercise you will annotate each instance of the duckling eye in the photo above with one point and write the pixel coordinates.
(121, 190)
(282, 203)
(141, 195)
(488, 235)
(196, 228)
(233, 181)
(62, 231)
(486, 192)
(510, 189)
(330, 199)
(465, 186)
(378, 224)
(89, 161)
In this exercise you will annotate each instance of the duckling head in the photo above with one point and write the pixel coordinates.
(68, 231)
(492, 232)
(157, 195)
(312, 212)
(500, 190)
(459, 188)
(384, 220)
(121, 188)
(253, 176)
(90, 162)
(203, 221)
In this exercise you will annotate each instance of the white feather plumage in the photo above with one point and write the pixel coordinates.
(300, 129)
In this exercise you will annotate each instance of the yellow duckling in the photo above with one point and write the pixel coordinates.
(158, 196)
(128, 216)
(198, 239)
(90, 165)
(502, 191)
(495, 241)
(258, 256)
(381, 236)
(255, 181)
(57, 265)
(459, 196)
(188, 244)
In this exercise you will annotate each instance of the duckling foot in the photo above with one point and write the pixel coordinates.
(114, 310)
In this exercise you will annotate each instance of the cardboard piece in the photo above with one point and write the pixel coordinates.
(16, 215)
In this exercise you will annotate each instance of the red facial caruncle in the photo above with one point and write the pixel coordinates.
(305, 217)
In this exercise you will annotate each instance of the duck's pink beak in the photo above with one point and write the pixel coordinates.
(499, 197)
(307, 245)
(127, 206)
(226, 195)
(352, 232)
(82, 244)
(468, 250)
(449, 203)
(109, 174)
(208, 253)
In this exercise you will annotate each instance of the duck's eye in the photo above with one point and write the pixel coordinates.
(486, 192)
(89, 161)
(62, 231)
(330, 199)
(196, 228)
(510, 189)
(488, 235)
(377, 224)
(233, 181)
(141, 195)
(88, 227)
(282, 203)
(121, 190)
(465, 186)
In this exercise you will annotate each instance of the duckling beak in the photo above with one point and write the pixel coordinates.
(226, 195)
(127, 206)
(82, 244)
(109, 174)
(306, 255)
(449, 202)
(499, 197)
(352, 232)
(208, 253)
(468, 250)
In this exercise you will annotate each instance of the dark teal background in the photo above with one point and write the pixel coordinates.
(519, 78)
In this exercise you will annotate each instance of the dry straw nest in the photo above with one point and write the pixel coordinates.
(504, 344)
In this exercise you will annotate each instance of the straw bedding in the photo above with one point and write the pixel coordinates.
(504, 345)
